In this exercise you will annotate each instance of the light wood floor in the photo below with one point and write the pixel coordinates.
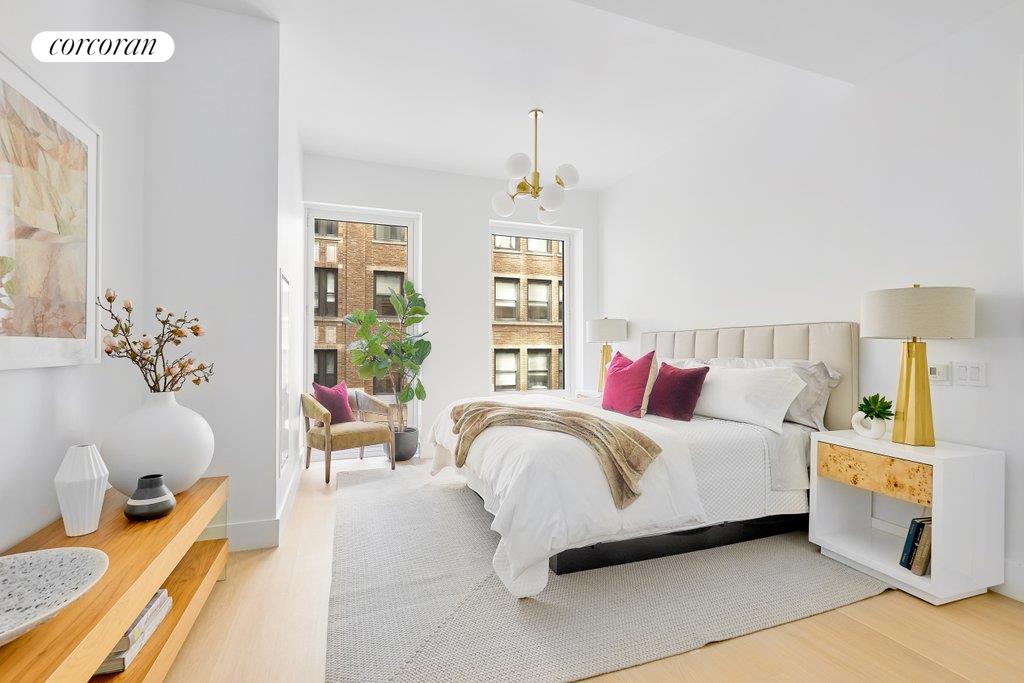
(268, 622)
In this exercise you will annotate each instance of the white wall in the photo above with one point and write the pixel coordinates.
(44, 411)
(811, 191)
(455, 261)
(212, 235)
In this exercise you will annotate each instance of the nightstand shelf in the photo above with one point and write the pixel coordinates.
(963, 484)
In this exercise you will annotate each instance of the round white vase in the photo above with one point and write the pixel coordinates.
(161, 437)
(869, 427)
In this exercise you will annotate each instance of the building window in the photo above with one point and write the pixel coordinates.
(537, 246)
(382, 385)
(383, 284)
(324, 227)
(538, 300)
(389, 233)
(561, 301)
(506, 299)
(325, 292)
(558, 247)
(506, 242)
(561, 369)
(326, 367)
(506, 369)
(538, 369)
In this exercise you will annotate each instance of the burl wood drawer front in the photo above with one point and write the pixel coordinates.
(903, 479)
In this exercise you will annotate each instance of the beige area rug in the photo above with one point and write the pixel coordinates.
(414, 597)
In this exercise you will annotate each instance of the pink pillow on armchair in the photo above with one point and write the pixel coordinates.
(627, 385)
(335, 399)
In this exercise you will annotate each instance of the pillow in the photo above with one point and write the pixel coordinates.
(758, 396)
(809, 406)
(335, 399)
(676, 391)
(628, 384)
(686, 362)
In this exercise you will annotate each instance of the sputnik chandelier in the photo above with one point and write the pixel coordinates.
(524, 182)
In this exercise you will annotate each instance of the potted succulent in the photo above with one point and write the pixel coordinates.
(389, 349)
(869, 420)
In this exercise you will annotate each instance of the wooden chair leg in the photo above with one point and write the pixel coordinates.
(309, 453)
(327, 464)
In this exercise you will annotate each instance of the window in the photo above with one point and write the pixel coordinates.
(325, 292)
(383, 284)
(558, 247)
(538, 300)
(561, 302)
(325, 367)
(389, 233)
(382, 385)
(506, 369)
(538, 246)
(506, 242)
(322, 226)
(538, 369)
(506, 299)
(561, 369)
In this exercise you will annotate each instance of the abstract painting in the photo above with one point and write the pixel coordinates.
(48, 227)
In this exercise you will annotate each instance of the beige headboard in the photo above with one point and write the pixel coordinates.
(836, 344)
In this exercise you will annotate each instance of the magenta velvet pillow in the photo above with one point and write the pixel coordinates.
(335, 399)
(676, 391)
(627, 385)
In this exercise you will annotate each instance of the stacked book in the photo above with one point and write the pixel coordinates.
(138, 633)
(917, 550)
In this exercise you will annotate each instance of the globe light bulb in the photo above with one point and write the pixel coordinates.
(546, 217)
(552, 197)
(569, 176)
(517, 165)
(502, 204)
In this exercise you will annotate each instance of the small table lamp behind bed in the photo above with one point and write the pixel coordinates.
(604, 331)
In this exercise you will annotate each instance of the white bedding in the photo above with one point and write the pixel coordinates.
(547, 492)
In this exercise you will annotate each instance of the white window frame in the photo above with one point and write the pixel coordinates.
(572, 283)
(359, 214)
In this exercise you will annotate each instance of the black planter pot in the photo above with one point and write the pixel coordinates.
(406, 443)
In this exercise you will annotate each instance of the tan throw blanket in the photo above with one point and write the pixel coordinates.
(623, 452)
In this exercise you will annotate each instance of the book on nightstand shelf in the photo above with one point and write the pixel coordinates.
(917, 548)
(137, 634)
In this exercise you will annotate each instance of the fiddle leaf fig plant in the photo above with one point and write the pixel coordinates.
(876, 406)
(389, 349)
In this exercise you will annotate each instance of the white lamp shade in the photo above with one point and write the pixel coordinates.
(546, 217)
(925, 312)
(606, 330)
(517, 165)
(502, 204)
(552, 197)
(569, 176)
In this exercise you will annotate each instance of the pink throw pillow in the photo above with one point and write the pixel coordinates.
(627, 385)
(676, 391)
(335, 399)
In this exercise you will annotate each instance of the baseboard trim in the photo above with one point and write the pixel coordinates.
(253, 534)
(1013, 584)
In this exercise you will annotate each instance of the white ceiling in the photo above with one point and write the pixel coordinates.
(447, 84)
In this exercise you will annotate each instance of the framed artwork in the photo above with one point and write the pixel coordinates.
(49, 227)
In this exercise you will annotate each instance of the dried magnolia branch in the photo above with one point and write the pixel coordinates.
(149, 353)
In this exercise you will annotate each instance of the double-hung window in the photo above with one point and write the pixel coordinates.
(538, 369)
(383, 284)
(389, 233)
(325, 369)
(506, 369)
(538, 300)
(325, 292)
(537, 246)
(506, 299)
(506, 242)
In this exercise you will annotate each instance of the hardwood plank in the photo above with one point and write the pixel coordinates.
(981, 638)
(189, 586)
(903, 479)
(142, 555)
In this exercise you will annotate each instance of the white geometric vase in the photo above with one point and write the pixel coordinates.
(81, 482)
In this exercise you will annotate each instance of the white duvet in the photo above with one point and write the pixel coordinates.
(548, 493)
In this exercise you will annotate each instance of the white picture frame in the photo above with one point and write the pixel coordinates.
(18, 352)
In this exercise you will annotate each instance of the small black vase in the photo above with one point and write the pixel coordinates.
(151, 500)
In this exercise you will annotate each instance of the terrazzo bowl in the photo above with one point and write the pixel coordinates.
(36, 585)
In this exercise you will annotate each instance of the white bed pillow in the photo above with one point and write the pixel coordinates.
(758, 396)
(808, 407)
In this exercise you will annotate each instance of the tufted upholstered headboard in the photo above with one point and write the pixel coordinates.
(836, 344)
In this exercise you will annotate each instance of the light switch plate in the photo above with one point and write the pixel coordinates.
(970, 374)
(939, 373)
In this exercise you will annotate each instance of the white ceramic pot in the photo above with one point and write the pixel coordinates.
(81, 482)
(868, 427)
(161, 437)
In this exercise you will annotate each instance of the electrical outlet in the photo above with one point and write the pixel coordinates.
(938, 373)
(970, 374)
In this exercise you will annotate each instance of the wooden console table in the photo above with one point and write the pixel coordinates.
(143, 557)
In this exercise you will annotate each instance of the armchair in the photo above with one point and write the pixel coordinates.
(327, 437)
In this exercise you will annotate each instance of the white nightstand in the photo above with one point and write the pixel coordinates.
(962, 485)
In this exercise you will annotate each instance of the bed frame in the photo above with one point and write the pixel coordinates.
(836, 344)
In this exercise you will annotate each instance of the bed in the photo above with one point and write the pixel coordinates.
(715, 482)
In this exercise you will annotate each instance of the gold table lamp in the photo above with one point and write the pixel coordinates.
(603, 331)
(912, 314)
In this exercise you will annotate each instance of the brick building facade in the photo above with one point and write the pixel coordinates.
(354, 266)
(527, 312)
